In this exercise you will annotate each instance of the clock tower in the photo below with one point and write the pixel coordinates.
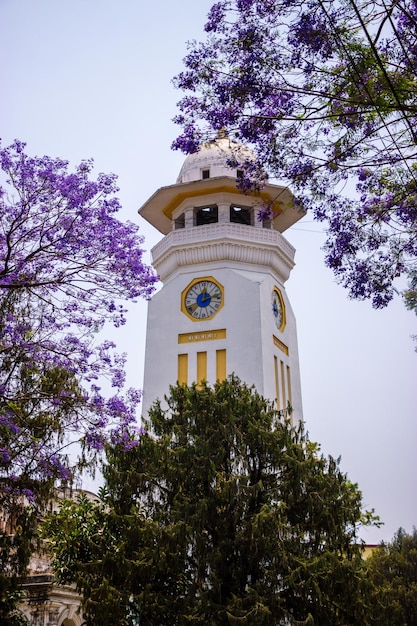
(223, 307)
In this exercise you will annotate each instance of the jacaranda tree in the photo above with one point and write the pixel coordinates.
(67, 266)
(221, 514)
(326, 93)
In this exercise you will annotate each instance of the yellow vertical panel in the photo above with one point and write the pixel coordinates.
(220, 364)
(283, 386)
(289, 386)
(276, 378)
(201, 366)
(183, 369)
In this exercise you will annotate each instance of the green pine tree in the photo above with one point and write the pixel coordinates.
(223, 514)
(392, 574)
(24, 490)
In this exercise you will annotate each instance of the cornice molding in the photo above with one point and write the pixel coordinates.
(233, 243)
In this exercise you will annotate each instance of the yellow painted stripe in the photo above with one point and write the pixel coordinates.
(201, 366)
(221, 364)
(207, 188)
(284, 399)
(183, 369)
(289, 386)
(276, 377)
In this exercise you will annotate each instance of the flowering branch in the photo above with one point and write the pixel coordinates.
(325, 93)
(67, 266)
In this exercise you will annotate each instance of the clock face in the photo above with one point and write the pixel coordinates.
(278, 309)
(202, 299)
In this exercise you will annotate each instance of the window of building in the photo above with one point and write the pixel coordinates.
(206, 215)
(239, 173)
(241, 215)
(205, 174)
(179, 222)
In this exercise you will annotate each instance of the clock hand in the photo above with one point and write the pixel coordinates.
(204, 295)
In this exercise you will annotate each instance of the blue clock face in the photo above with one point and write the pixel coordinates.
(203, 299)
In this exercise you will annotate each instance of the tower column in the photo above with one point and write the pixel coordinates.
(224, 212)
(189, 217)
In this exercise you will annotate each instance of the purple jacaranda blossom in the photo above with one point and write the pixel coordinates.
(215, 16)
(325, 94)
(4, 456)
(68, 266)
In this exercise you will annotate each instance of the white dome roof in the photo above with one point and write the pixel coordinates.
(213, 156)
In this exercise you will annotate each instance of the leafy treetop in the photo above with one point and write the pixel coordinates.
(222, 514)
(392, 575)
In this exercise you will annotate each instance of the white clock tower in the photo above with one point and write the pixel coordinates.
(223, 307)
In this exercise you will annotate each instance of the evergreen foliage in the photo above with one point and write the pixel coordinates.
(392, 573)
(222, 514)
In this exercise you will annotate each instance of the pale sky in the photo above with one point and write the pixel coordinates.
(92, 78)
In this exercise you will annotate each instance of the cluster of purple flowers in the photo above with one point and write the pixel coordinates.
(67, 267)
(326, 95)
